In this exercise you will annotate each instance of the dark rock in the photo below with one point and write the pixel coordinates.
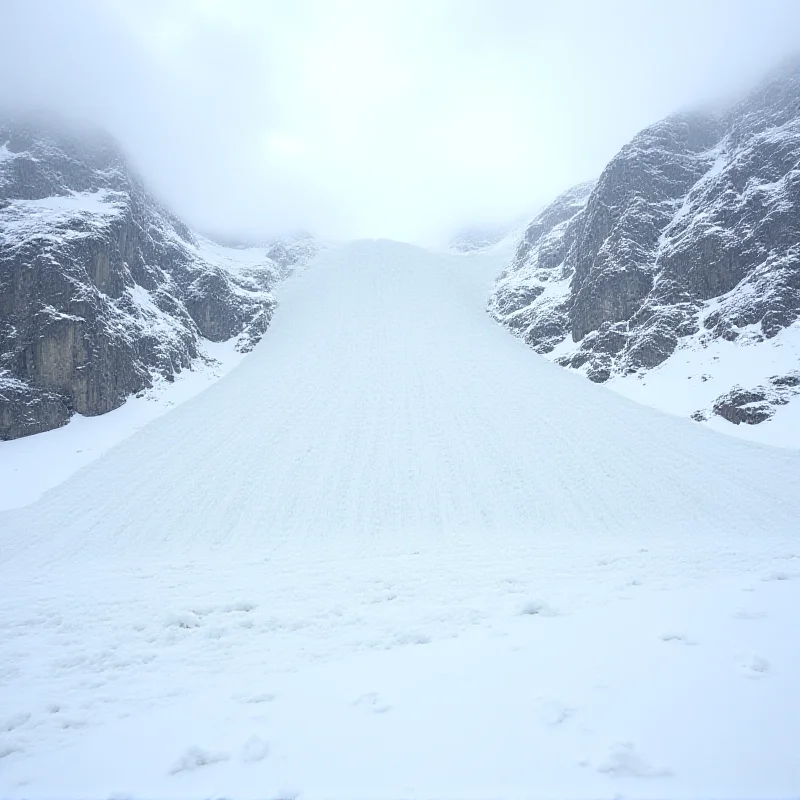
(691, 233)
(26, 411)
(599, 370)
(790, 380)
(531, 297)
(102, 289)
(743, 406)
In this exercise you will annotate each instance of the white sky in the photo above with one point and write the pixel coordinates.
(369, 118)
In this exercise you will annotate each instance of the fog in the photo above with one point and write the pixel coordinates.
(397, 119)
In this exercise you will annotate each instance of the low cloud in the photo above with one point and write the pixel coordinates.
(398, 119)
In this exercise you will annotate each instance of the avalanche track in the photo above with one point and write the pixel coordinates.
(394, 552)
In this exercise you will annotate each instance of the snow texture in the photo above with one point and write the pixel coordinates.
(395, 553)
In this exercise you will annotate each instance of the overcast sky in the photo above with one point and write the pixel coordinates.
(398, 119)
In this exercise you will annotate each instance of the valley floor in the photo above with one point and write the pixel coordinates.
(395, 553)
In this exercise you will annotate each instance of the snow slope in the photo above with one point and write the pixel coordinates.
(31, 465)
(396, 553)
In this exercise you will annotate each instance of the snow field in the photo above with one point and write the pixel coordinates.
(416, 676)
(395, 553)
(697, 374)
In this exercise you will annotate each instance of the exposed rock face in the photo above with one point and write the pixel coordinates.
(740, 405)
(751, 406)
(532, 294)
(691, 234)
(101, 288)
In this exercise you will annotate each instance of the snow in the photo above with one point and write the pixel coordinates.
(33, 464)
(700, 372)
(396, 553)
(474, 238)
(51, 217)
(232, 259)
(718, 158)
(97, 202)
(148, 319)
(53, 313)
(702, 369)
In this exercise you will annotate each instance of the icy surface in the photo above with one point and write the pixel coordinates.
(396, 553)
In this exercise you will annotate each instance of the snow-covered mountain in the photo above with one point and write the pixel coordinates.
(681, 263)
(102, 289)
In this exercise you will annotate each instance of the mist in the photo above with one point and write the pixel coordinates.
(403, 120)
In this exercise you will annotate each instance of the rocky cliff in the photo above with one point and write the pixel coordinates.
(690, 237)
(102, 288)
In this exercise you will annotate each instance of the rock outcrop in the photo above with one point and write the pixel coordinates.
(102, 288)
(751, 406)
(691, 234)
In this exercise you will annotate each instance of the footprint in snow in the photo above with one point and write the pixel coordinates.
(183, 619)
(70, 723)
(416, 637)
(606, 562)
(552, 713)
(779, 575)
(677, 637)
(262, 697)
(383, 597)
(624, 762)
(195, 757)
(537, 608)
(239, 606)
(372, 702)
(254, 750)
(8, 750)
(754, 666)
(745, 614)
(14, 721)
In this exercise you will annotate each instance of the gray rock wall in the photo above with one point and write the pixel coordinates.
(101, 288)
(693, 229)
